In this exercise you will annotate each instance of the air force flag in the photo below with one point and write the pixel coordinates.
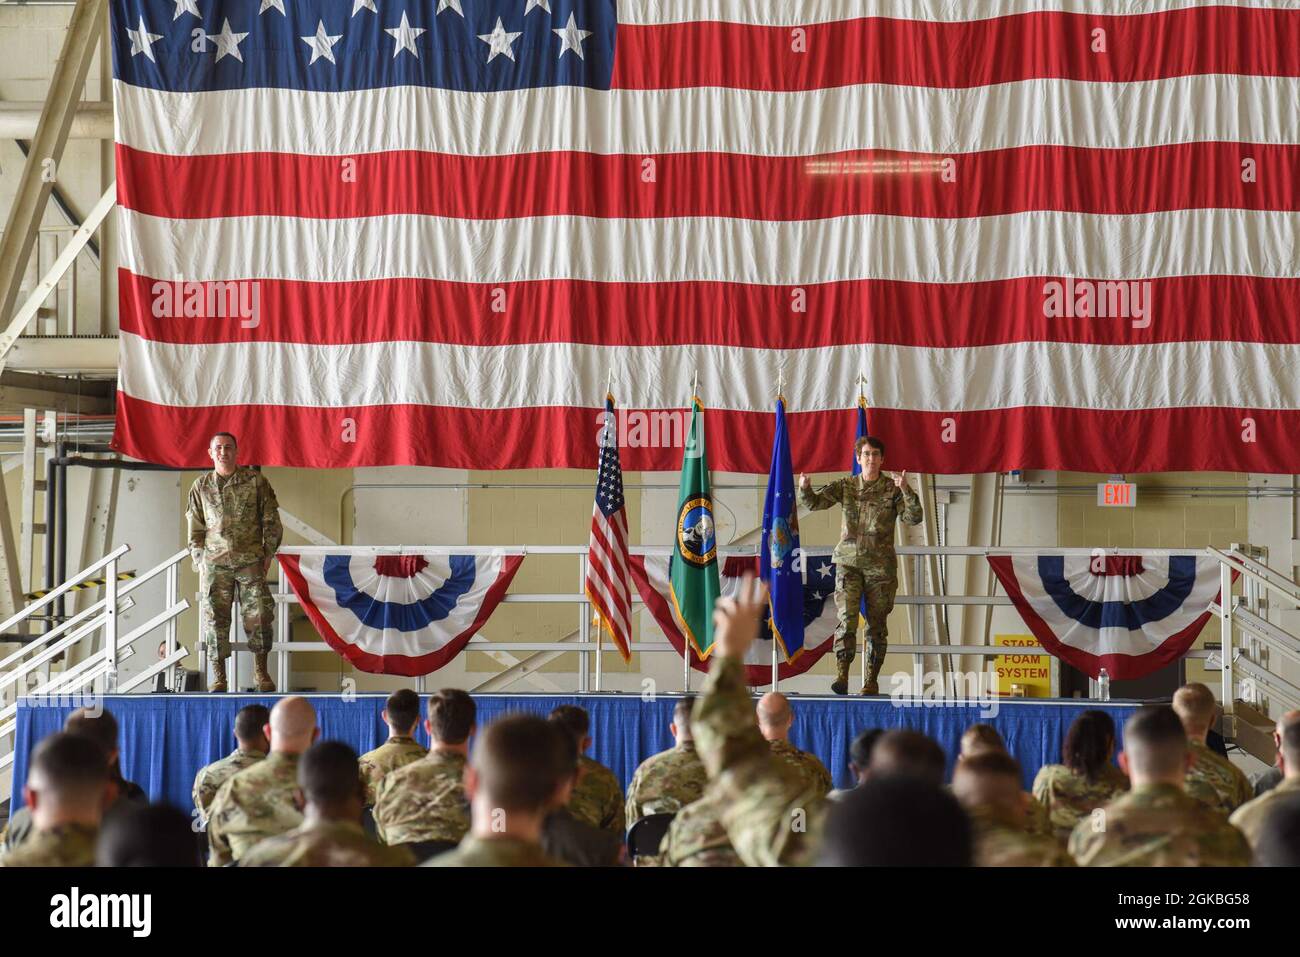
(399, 614)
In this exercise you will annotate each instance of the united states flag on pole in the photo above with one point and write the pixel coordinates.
(1051, 233)
(607, 555)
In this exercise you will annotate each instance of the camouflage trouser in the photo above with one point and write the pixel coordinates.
(850, 587)
(217, 593)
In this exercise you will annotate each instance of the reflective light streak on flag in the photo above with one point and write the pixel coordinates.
(607, 554)
(383, 182)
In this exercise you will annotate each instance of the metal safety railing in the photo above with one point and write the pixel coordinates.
(31, 670)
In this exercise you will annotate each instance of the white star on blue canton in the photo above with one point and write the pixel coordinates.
(571, 37)
(142, 40)
(227, 42)
(405, 35)
(499, 41)
(185, 6)
(322, 44)
(825, 570)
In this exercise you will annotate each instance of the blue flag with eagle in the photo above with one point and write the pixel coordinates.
(780, 561)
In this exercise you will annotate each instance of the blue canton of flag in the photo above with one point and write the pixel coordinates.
(343, 45)
(779, 557)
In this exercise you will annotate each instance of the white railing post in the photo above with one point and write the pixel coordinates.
(282, 633)
(171, 587)
(584, 629)
(110, 624)
(1226, 643)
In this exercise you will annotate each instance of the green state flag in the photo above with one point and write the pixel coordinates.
(694, 583)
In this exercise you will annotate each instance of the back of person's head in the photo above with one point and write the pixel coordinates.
(682, 716)
(774, 714)
(1277, 842)
(293, 725)
(861, 747)
(989, 779)
(98, 725)
(574, 718)
(452, 714)
(1088, 743)
(403, 707)
(1195, 706)
(1290, 747)
(904, 752)
(250, 722)
(1155, 743)
(520, 762)
(898, 821)
(68, 771)
(571, 750)
(146, 835)
(981, 739)
(328, 775)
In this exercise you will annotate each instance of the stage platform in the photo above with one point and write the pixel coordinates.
(165, 739)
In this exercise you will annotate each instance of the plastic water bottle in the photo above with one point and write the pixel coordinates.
(1103, 685)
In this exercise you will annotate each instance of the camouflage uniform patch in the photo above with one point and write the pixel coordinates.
(494, 852)
(598, 798)
(696, 837)
(397, 752)
(255, 804)
(1069, 798)
(804, 763)
(865, 561)
(1229, 783)
(326, 844)
(66, 845)
(1249, 818)
(234, 526)
(1158, 825)
(424, 801)
(210, 777)
(665, 783)
(1001, 842)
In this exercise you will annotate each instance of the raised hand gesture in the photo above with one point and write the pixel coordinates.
(900, 478)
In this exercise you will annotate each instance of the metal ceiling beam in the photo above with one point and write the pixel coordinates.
(68, 354)
(90, 121)
(19, 390)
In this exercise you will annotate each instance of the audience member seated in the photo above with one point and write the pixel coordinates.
(907, 753)
(984, 739)
(668, 781)
(402, 715)
(567, 839)
(988, 786)
(517, 775)
(697, 836)
(1267, 780)
(423, 806)
(259, 801)
(1156, 823)
(859, 759)
(332, 793)
(598, 798)
(1249, 818)
(146, 835)
(775, 718)
(251, 746)
(1211, 778)
(1086, 779)
(899, 820)
(66, 790)
(1277, 843)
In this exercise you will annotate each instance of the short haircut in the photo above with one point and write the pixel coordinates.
(68, 766)
(328, 773)
(452, 713)
(682, 713)
(1277, 842)
(897, 822)
(251, 720)
(145, 835)
(229, 435)
(1155, 741)
(1195, 705)
(572, 749)
(574, 718)
(862, 746)
(99, 727)
(981, 739)
(1088, 743)
(1291, 744)
(403, 707)
(989, 777)
(908, 753)
(520, 761)
(868, 440)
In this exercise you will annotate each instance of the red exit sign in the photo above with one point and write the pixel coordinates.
(1122, 494)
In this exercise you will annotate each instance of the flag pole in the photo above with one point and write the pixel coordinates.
(600, 641)
(686, 640)
(780, 388)
(862, 625)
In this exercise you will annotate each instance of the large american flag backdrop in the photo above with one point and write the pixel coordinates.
(448, 222)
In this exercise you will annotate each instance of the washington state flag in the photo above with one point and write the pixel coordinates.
(693, 576)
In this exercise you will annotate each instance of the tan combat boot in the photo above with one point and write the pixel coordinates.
(841, 683)
(218, 676)
(260, 674)
(871, 685)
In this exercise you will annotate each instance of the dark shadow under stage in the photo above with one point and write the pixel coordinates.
(166, 738)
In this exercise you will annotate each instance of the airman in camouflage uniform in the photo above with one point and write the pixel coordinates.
(697, 838)
(1249, 818)
(865, 561)
(494, 852)
(1229, 783)
(397, 752)
(234, 531)
(1003, 841)
(257, 803)
(64, 845)
(804, 763)
(210, 777)
(1158, 825)
(324, 843)
(666, 782)
(424, 801)
(598, 798)
(1069, 798)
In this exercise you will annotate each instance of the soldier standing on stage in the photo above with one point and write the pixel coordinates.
(865, 562)
(235, 530)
